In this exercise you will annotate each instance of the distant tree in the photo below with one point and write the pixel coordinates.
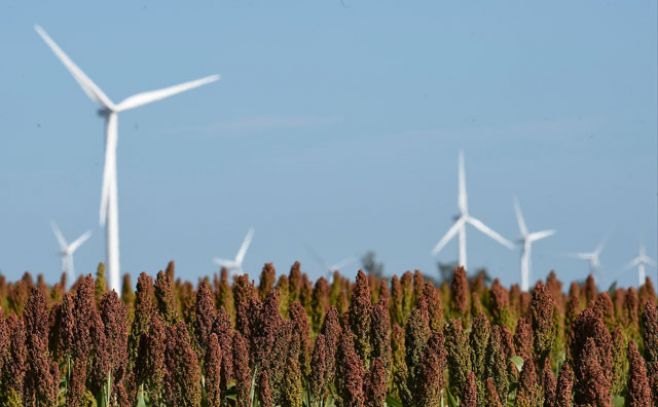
(371, 266)
(482, 271)
(613, 288)
(445, 270)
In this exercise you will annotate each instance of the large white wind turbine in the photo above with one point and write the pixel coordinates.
(526, 240)
(593, 258)
(235, 266)
(109, 210)
(464, 218)
(66, 250)
(641, 261)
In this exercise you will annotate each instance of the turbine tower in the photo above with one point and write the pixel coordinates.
(593, 258)
(464, 218)
(235, 266)
(66, 250)
(641, 261)
(109, 208)
(526, 240)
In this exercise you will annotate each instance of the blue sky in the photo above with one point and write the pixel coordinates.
(335, 125)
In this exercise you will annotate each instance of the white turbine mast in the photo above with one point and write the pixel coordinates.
(593, 258)
(235, 266)
(109, 209)
(526, 240)
(66, 250)
(464, 218)
(641, 262)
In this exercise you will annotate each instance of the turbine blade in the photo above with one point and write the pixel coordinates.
(582, 256)
(144, 98)
(58, 235)
(650, 262)
(490, 232)
(519, 218)
(448, 236)
(541, 235)
(79, 241)
(462, 200)
(245, 246)
(229, 264)
(633, 263)
(317, 258)
(87, 85)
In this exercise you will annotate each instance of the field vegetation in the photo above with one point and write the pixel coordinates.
(288, 341)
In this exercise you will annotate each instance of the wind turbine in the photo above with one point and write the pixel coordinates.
(109, 111)
(66, 249)
(331, 269)
(464, 218)
(641, 261)
(235, 266)
(593, 258)
(526, 240)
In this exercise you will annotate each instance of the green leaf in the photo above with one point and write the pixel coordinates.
(618, 401)
(518, 362)
(252, 391)
(452, 400)
(140, 398)
(107, 391)
(231, 396)
(391, 402)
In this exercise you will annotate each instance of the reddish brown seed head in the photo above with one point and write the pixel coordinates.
(360, 315)
(205, 313)
(459, 291)
(212, 367)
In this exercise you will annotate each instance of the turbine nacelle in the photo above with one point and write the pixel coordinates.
(104, 112)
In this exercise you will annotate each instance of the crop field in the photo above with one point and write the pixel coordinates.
(287, 341)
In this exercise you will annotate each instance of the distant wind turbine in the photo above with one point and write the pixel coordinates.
(66, 249)
(593, 258)
(109, 208)
(526, 240)
(464, 218)
(235, 266)
(331, 269)
(641, 261)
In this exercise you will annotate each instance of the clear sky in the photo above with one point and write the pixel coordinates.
(335, 125)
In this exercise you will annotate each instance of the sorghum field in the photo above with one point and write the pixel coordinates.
(292, 342)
